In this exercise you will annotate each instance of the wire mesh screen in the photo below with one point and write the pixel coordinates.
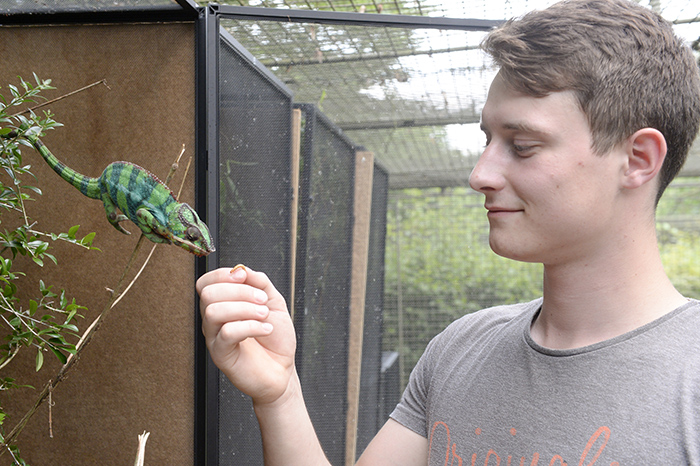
(323, 276)
(678, 231)
(439, 267)
(370, 419)
(411, 96)
(255, 191)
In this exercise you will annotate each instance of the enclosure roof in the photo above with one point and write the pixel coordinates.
(76, 11)
(412, 95)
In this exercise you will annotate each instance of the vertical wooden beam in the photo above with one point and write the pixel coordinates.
(364, 170)
(294, 209)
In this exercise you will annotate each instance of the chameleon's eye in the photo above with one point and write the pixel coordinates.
(193, 233)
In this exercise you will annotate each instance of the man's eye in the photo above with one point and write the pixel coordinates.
(523, 150)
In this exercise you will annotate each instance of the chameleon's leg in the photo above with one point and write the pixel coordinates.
(113, 214)
(151, 227)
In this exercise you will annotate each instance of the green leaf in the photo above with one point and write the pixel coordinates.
(33, 188)
(61, 357)
(87, 239)
(39, 360)
(73, 230)
(70, 327)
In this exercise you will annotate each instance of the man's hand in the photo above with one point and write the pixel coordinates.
(248, 331)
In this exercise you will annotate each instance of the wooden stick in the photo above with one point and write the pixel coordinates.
(49, 102)
(364, 171)
(294, 209)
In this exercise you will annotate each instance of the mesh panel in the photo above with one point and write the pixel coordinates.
(370, 418)
(255, 142)
(323, 276)
(442, 233)
(390, 383)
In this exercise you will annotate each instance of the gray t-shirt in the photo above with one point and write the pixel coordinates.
(484, 393)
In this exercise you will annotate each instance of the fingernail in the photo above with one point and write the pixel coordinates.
(267, 326)
(238, 272)
(260, 296)
(263, 311)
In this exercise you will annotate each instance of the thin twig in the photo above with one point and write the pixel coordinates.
(49, 102)
(10, 358)
(87, 336)
(126, 290)
(187, 169)
(18, 193)
(50, 414)
(141, 452)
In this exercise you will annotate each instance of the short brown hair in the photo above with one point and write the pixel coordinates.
(624, 62)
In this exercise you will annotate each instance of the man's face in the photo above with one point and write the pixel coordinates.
(549, 197)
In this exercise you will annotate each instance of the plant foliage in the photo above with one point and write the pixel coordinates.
(46, 322)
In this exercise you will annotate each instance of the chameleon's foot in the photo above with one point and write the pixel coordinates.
(115, 218)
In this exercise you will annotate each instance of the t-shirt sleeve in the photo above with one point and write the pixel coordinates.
(466, 333)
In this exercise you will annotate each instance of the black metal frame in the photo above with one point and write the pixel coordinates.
(206, 388)
(355, 19)
(185, 10)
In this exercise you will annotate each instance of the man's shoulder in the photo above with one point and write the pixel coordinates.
(680, 327)
(499, 315)
(491, 321)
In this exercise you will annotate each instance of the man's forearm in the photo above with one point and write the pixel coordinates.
(288, 436)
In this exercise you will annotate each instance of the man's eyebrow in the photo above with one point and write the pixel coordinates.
(519, 127)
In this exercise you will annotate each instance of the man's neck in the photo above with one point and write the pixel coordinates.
(604, 297)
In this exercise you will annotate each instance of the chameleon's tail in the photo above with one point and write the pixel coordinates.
(85, 184)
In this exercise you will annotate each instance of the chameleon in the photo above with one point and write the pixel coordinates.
(142, 198)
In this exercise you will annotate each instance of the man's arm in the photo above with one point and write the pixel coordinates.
(395, 445)
(288, 437)
(251, 339)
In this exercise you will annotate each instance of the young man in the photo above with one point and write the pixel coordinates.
(589, 118)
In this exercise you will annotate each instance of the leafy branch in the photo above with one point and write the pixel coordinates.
(26, 240)
(48, 322)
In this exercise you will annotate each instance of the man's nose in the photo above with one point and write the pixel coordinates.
(488, 173)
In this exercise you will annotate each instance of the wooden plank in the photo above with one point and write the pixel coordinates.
(364, 170)
(294, 209)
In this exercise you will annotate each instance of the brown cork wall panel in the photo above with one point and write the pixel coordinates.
(137, 374)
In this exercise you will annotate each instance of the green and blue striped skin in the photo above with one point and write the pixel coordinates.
(142, 198)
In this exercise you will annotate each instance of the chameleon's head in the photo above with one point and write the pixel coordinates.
(189, 232)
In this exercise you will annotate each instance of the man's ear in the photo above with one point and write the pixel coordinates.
(646, 151)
